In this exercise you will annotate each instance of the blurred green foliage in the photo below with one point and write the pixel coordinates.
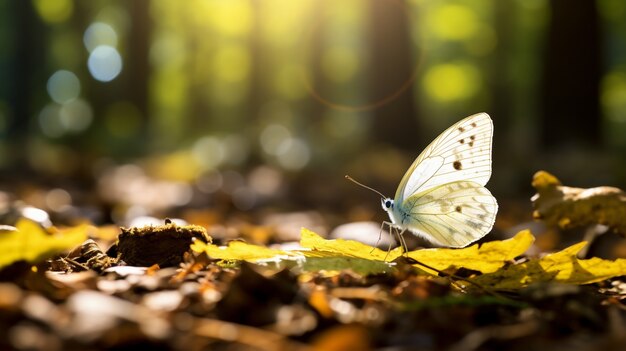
(212, 84)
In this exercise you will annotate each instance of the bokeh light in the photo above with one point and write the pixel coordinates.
(272, 137)
(57, 120)
(63, 86)
(58, 200)
(104, 63)
(55, 11)
(613, 96)
(293, 154)
(236, 149)
(99, 33)
(448, 82)
(453, 22)
(265, 180)
(208, 152)
(76, 115)
(50, 121)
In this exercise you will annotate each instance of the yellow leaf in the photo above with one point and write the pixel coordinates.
(333, 256)
(562, 267)
(485, 258)
(32, 243)
(347, 248)
(239, 250)
(319, 255)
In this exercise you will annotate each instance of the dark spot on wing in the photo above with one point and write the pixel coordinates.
(473, 137)
(474, 124)
(457, 165)
(458, 209)
(461, 129)
(474, 225)
(471, 143)
(462, 141)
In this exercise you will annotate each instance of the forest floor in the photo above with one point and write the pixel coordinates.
(239, 285)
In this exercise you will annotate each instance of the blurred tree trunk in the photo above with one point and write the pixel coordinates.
(571, 112)
(138, 71)
(502, 88)
(392, 65)
(133, 82)
(23, 71)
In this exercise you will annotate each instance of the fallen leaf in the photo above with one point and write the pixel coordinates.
(568, 207)
(333, 256)
(561, 267)
(241, 251)
(30, 242)
(318, 254)
(347, 248)
(484, 258)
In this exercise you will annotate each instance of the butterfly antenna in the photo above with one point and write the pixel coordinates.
(365, 186)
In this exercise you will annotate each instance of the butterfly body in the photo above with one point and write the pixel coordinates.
(442, 197)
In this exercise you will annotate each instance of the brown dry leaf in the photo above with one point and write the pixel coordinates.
(568, 207)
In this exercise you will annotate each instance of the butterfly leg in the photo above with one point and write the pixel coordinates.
(391, 232)
(380, 234)
(405, 248)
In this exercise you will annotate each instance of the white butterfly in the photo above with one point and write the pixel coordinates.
(442, 197)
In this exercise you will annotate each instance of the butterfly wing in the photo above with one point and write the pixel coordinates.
(454, 214)
(461, 152)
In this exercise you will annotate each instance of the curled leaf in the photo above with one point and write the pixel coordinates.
(568, 207)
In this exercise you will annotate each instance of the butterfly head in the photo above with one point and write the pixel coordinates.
(386, 203)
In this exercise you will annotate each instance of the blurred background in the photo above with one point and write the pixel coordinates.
(114, 110)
